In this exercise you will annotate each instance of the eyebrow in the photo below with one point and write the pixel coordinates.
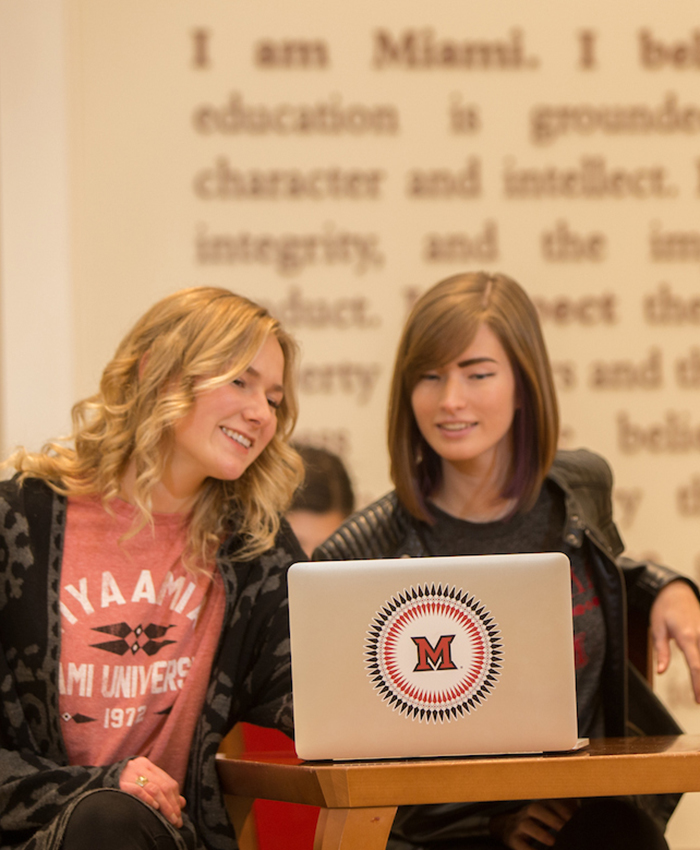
(277, 388)
(474, 360)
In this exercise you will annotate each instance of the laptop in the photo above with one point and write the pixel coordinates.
(440, 656)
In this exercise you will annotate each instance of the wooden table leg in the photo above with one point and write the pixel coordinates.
(240, 810)
(354, 829)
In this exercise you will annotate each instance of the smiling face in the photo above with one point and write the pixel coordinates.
(465, 410)
(228, 427)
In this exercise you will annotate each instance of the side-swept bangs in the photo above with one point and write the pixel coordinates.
(442, 324)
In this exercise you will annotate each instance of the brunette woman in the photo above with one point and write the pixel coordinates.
(473, 429)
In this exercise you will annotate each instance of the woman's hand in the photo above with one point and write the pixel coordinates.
(535, 821)
(153, 786)
(676, 614)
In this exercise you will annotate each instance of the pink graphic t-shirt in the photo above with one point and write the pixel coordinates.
(139, 633)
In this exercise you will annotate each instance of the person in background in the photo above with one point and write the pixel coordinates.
(143, 606)
(323, 501)
(473, 429)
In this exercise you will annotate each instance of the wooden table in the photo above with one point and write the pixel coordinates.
(358, 800)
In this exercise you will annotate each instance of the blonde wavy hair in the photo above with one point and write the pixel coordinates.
(192, 341)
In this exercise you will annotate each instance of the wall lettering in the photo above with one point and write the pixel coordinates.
(481, 247)
(591, 178)
(224, 181)
(681, 55)
(464, 117)
(665, 307)
(424, 49)
(410, 294)
(552, 122)
(667, 246)
(422, 184)
(562, 244)
(289, 254)
(586, 310)
(357, 380)
(297, 310)
(587, 49)
(646, 374)
(627, 502)
(291, 54)
(688, 497)
(565, 374)
(329, 117)
(676, 433)
(688, 370)
(200, 48)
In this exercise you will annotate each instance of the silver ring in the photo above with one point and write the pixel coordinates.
(141, 780)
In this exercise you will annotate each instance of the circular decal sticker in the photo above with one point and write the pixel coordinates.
(433, 653)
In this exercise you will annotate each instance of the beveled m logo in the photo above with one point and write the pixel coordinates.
(433, 653)
(438, 657)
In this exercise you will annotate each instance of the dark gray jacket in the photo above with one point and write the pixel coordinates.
(250, 678)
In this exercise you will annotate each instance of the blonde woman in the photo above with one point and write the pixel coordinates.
(143, 600)
(473, 428)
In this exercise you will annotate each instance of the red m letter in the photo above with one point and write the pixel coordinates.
(438, 657)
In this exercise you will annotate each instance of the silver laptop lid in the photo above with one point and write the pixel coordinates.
(437, 656)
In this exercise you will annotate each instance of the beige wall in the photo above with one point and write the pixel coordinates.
(422, 168)
(36, 362)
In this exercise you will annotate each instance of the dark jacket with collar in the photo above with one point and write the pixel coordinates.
(386, 529)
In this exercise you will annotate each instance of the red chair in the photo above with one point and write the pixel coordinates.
(278, 826)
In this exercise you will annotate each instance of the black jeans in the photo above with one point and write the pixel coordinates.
(114, 820)
(600, 824)
(610, 825)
